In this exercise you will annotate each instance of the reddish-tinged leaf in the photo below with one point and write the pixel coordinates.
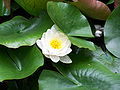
(117, 3)
(93, 8)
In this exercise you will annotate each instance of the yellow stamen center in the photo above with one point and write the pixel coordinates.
(56, 43)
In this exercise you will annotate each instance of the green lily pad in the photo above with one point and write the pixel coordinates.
(34, 7)
(81, 43)
(69, 19)
(89, 71)
(112, 33)
(108, 60)
(19, 63)
(20, 31)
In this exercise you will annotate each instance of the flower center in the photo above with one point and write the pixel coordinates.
(56, 43)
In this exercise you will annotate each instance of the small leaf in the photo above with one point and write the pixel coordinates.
(81, 43)
(112, 33)
(110, 1)
(23, 32)
(19, 63)
(4, 7)
(69, 19)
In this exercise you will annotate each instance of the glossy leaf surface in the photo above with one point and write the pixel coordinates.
(69, 19)
(20, 31)
(112, 32)
(19, 63)
(89, 70)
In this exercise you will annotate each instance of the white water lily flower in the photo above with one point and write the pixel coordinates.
(55, 45)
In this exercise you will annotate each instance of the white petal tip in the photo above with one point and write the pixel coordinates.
(55, 59)
(65, 59)
(39, 44)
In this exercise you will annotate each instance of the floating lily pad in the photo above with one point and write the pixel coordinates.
(20, 31)
(112, 32)
(19, 63)
(89, 71)
(81, 43)
(69, 19)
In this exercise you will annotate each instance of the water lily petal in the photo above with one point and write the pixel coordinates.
(42, 46)
(54, 58)
(64, 52)
(39, 43)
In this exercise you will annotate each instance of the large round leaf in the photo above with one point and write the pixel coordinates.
(23, 32)
(87, 72)
(50, 80)
(112, 33)
(19, 63)
(69, 19)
